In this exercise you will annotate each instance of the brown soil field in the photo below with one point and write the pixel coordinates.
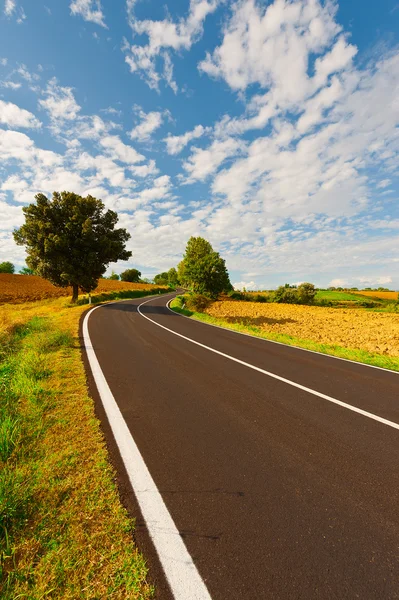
(382, 295)
(351, 328)
(28, 288)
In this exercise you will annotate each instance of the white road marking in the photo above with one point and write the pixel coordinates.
(182, 575)
(274, 376)
(354, 362)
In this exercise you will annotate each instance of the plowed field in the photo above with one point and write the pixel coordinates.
(351, 328)
(382, 295)
(28, 288)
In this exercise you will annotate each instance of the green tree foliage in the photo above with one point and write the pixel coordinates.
(26, 271)
(114, 276)
(173, 278)
(132, 275)
(181, 274)
(286, 295)
(303, 294)
(306, 293)
(70, 240)
(161, 278)
(205, 271)
(7, 267)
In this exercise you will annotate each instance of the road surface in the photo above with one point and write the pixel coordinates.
(277, 493)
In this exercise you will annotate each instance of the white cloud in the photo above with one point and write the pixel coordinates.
(89, 10)
(248, 285)
(339, 283)
(3, 62)
(176, 143)
(164, 35)
(117, 149)
(11, 85)
(14, 116)
(9, 7)
(202, 163)
(60, 102)
(272, 47)
(383, 184)
(150, 122)
(384, 280)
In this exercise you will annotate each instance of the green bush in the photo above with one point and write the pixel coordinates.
(306, 293)
(285, 295)
(197, 302)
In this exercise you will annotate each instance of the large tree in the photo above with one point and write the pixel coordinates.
(132, 275)
(204, 270)
(70, 240)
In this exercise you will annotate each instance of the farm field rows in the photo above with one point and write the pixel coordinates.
(29, 288)
(374, 332)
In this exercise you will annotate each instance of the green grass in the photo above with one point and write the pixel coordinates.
(335, 296)
(63, 531)
(361, 356)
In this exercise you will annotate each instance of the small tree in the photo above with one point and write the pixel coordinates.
(204, 269)
(306, 293)
(131, 275)
(71, 240)
(7, 267)
(114, 276)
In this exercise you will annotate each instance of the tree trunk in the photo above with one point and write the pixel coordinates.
(75, 292)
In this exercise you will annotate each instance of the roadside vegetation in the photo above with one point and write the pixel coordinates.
(321, 329)
(63, 530)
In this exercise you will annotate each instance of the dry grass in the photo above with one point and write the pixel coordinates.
(28, 288)
(352, 328)
(75, 540)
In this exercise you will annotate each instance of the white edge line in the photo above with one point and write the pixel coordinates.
(262, 339)
(274, 376)
(181, 573)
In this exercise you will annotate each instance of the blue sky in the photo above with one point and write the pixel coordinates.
(270, 128)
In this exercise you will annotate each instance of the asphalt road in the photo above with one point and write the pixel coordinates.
(277, 493)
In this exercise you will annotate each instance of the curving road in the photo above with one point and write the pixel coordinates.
(280, 474)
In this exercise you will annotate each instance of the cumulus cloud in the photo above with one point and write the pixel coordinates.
(202, 163)
(176, 143)
(14, 116)
(116, 148)
(150, 122)
(164, 36)
(60, 102)
(89, 10)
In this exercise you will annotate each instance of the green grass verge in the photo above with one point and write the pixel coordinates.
(63, 531)
(122, 295)
(361, 356)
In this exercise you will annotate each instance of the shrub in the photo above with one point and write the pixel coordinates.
(197, 302)
(285, 295)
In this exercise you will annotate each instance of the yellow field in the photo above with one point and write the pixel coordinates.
(28, 288)
(351, 328)
(382, 295)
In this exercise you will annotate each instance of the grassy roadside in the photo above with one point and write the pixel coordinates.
(63, 531)
(361, 356)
